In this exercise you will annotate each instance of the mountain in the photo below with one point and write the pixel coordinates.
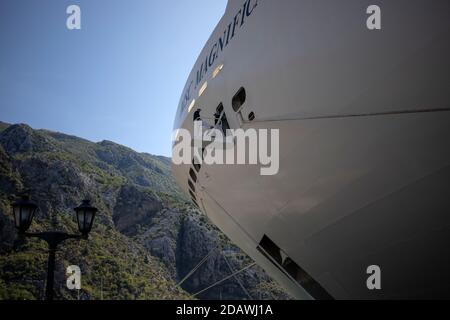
(146, 236)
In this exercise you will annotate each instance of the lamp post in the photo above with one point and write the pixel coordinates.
(24, 211)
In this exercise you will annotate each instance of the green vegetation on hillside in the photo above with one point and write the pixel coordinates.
(146, 235)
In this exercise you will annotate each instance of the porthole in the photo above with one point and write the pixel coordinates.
(251, 116)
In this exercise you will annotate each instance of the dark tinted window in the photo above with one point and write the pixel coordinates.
(191, 185)
(239, 99)
(293, 269)
(197, 166)
(192, 175)
(271, 248)
(221, 117)
(218, 113)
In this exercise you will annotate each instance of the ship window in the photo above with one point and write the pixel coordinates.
(289, 266)
(217, 71)
(271, 248)
(220, 119)
(202, 89)
(192, 195)
(239, 99)
(218, 114)
(197, 166)
(191, 106)
(193, 175)
(191, 185)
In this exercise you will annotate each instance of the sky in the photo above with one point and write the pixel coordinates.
(118, 78)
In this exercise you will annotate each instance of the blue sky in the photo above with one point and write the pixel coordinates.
(119, 78)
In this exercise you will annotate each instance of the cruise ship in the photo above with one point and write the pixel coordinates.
(363, 115)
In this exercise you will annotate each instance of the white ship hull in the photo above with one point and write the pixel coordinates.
(364, 120)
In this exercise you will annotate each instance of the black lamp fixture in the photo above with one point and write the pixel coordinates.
(85, 216)
(24, 211)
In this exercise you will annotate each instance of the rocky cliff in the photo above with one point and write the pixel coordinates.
(146, 238)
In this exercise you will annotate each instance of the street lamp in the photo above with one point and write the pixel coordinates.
(24, 211)
(85, 216)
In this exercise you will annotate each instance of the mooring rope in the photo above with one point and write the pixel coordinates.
(225, 279)
(236, 278)
(196, 267)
